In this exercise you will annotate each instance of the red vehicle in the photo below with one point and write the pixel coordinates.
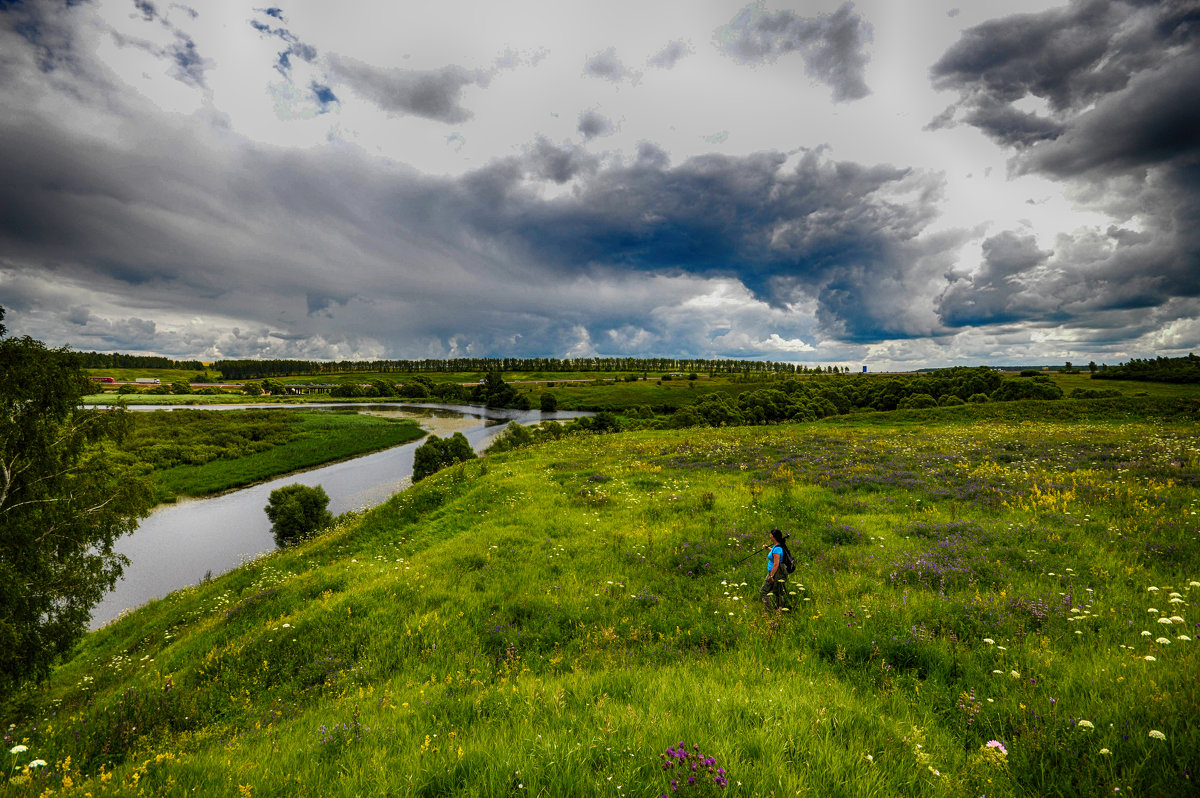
(102, 379)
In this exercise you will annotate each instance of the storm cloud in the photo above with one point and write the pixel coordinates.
(288, 186)
(832, 46)
(433, 94)
(1119, 126)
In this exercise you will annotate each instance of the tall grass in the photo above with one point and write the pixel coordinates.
(551, 621)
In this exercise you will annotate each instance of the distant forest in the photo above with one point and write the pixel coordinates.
(116, 360)
(1159, 369)
(256, 369)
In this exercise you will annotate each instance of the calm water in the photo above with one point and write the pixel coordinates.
(178, 544)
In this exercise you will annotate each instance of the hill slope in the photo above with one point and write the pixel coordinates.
(551, 621)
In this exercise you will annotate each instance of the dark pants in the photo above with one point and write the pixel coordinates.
(776, 587)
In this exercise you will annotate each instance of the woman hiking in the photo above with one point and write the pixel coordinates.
(775, 583)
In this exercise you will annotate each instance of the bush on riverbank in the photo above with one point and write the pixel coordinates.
(297, 512)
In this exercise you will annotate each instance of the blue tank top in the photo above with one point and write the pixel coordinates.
(776, 551)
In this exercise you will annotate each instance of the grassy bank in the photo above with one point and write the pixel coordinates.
(551, 621)
(198, 453)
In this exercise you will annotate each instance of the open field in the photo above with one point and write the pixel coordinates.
(552, 620)
(197, 453)
(163, 375)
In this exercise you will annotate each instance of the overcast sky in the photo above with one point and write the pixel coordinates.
(895, 184)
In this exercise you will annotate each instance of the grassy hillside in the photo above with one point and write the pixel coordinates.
(557, 621)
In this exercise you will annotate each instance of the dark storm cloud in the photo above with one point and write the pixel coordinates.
(1121, 128)
(433, 94)
(559, 164)
(235, 225)
(593, 124)
(832, 46)
(1000, 291)
(834, 229)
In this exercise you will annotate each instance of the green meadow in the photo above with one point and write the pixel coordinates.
(201, 452)
(995, 599)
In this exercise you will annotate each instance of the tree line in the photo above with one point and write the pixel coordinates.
(258, 369)
(1159, 369)
(118, 360)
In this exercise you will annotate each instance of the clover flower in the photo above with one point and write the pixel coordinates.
(997, 745)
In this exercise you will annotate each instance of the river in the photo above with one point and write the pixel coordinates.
(178, 544)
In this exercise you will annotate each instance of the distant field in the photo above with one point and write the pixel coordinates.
(164, 375)
(1069, 382)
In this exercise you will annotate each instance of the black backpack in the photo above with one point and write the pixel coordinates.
(789, 562)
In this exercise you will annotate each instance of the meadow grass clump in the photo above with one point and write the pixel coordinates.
(1005, 607)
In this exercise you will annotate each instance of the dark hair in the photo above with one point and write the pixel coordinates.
(781, 539)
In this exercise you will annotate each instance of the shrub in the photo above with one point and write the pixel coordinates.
(549, 403)
(917, 401)
(438, 453)
(296, 512)
(1037, 388)
(1095, 393)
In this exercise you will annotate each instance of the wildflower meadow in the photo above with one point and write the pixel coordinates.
(986, 603)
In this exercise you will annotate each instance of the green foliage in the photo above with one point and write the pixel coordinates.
(1179, 370)
(548, 403)
(526, 624)
(438, 453)
(1036, 388)
(199, 452)
(1095, 393)
(297, 512)
(917, 401)
(62, 507)
(493, 391)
